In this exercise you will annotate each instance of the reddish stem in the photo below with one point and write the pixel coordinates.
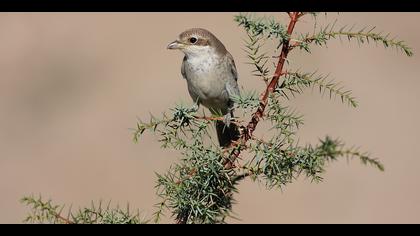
(250, 128)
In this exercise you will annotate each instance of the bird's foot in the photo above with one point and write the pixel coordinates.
(195, 107)
(226, 119)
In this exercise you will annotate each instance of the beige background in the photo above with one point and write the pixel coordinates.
(72, 84)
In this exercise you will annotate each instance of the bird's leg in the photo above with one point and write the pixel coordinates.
(196, 106)
(227, 118)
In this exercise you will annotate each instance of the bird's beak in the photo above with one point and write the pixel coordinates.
(175, 45)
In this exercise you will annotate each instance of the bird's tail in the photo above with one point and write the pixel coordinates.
(226, 134)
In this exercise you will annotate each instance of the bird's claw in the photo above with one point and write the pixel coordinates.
(195, 107)
(226, 119)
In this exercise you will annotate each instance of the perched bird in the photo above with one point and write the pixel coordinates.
(211, 77)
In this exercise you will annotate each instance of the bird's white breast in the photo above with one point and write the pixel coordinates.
(206, 81)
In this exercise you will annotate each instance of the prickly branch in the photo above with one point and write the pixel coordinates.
(200, 188)
(44, 211)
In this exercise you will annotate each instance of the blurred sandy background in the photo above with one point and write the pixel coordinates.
(72, 84)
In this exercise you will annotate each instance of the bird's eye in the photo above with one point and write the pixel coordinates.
(193, 40)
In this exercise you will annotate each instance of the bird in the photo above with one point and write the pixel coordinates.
(212, 78)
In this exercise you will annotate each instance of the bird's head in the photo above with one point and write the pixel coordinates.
(197, 41)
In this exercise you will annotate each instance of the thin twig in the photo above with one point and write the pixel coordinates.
(67, 221)
(207, 118)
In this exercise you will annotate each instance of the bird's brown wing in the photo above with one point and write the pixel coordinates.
(232, 84)
(228, 132)
(232, 65)
(184, 75)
